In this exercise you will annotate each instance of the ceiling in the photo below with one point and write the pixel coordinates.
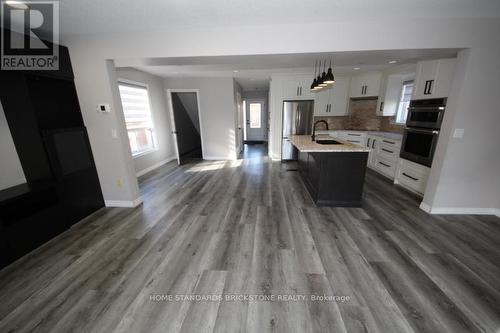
(253, 72)
(98, 16)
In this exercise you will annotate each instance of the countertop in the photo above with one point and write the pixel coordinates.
(387, 135)
(305, 144)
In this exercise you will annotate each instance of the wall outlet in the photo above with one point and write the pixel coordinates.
(119, 182)
(104, 108)
(458, 133)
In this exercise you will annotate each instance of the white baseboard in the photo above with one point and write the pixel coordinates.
(459, 210)
(123, 203)
(154, 166)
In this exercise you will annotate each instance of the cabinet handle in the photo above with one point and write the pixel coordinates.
(330, 107)
(387, 150)
(404, 174)
(428, 87)
(353, 134)
(353, 141)
(429, 90)
(368, 143)
(297, 91)
(300, 91)
(373, 144)
(386, 165)
(381, 106)
(391, 142)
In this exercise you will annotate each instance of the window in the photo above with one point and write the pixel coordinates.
(404, 102)
(255, 112)
(135, 103)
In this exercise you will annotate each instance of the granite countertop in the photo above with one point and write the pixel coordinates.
(387, 135)
(305, 144)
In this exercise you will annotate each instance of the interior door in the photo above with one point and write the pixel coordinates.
(256, 121)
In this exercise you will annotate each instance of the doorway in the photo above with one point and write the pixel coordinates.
(186, 129)
(255, 121)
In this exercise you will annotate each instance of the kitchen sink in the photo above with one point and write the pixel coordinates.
(328, 142)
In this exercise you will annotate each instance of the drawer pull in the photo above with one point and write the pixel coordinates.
(404, 174)
(390, 142)
(353, 134)
(387, 150)
(386, 165)
(353, 141)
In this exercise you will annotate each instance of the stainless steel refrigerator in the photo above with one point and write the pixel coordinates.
(297, 119)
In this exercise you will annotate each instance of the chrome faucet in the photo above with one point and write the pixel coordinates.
(313, 136)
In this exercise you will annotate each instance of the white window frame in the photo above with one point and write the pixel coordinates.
(250, 115)
(137, 84)
(399, 110)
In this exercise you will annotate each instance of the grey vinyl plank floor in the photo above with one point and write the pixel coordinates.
(249, 227)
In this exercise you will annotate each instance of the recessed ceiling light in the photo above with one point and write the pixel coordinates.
(356, 68)
(393, 61)
(16, 4)
(235, 71)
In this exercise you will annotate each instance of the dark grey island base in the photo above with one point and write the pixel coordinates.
(334, 178)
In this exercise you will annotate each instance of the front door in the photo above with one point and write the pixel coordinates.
(255, 121)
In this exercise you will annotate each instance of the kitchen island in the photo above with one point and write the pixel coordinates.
(332, 170)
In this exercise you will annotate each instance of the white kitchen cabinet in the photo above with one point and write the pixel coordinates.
(412, 176)
(384, 154)
(322, 103)
(333, 100)
(390, 95)
(297, 87)
(355, 137)
(339, 97)
(365, 85)
(433, 79)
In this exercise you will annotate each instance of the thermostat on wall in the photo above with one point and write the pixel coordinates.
(103, 108)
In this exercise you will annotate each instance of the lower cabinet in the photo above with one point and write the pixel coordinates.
(334, 178)
(384, 154)
(412, 176)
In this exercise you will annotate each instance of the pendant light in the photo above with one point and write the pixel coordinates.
(314, 84)
(329, 79)
(323, 77)
(318, 78)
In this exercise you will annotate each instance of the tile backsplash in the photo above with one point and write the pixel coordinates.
(362, 116)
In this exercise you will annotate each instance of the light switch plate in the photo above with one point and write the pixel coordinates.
(458, 133)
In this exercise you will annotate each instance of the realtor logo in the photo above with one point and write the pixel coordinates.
(30, 35)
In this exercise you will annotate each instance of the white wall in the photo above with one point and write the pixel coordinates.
(161, 119)
(217, 114)
(11, 173)
(461, 171)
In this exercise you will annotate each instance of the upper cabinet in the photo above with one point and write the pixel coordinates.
(332, 101)
(297, 87)
(390, 94)
(433, 78)
(365, 85)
